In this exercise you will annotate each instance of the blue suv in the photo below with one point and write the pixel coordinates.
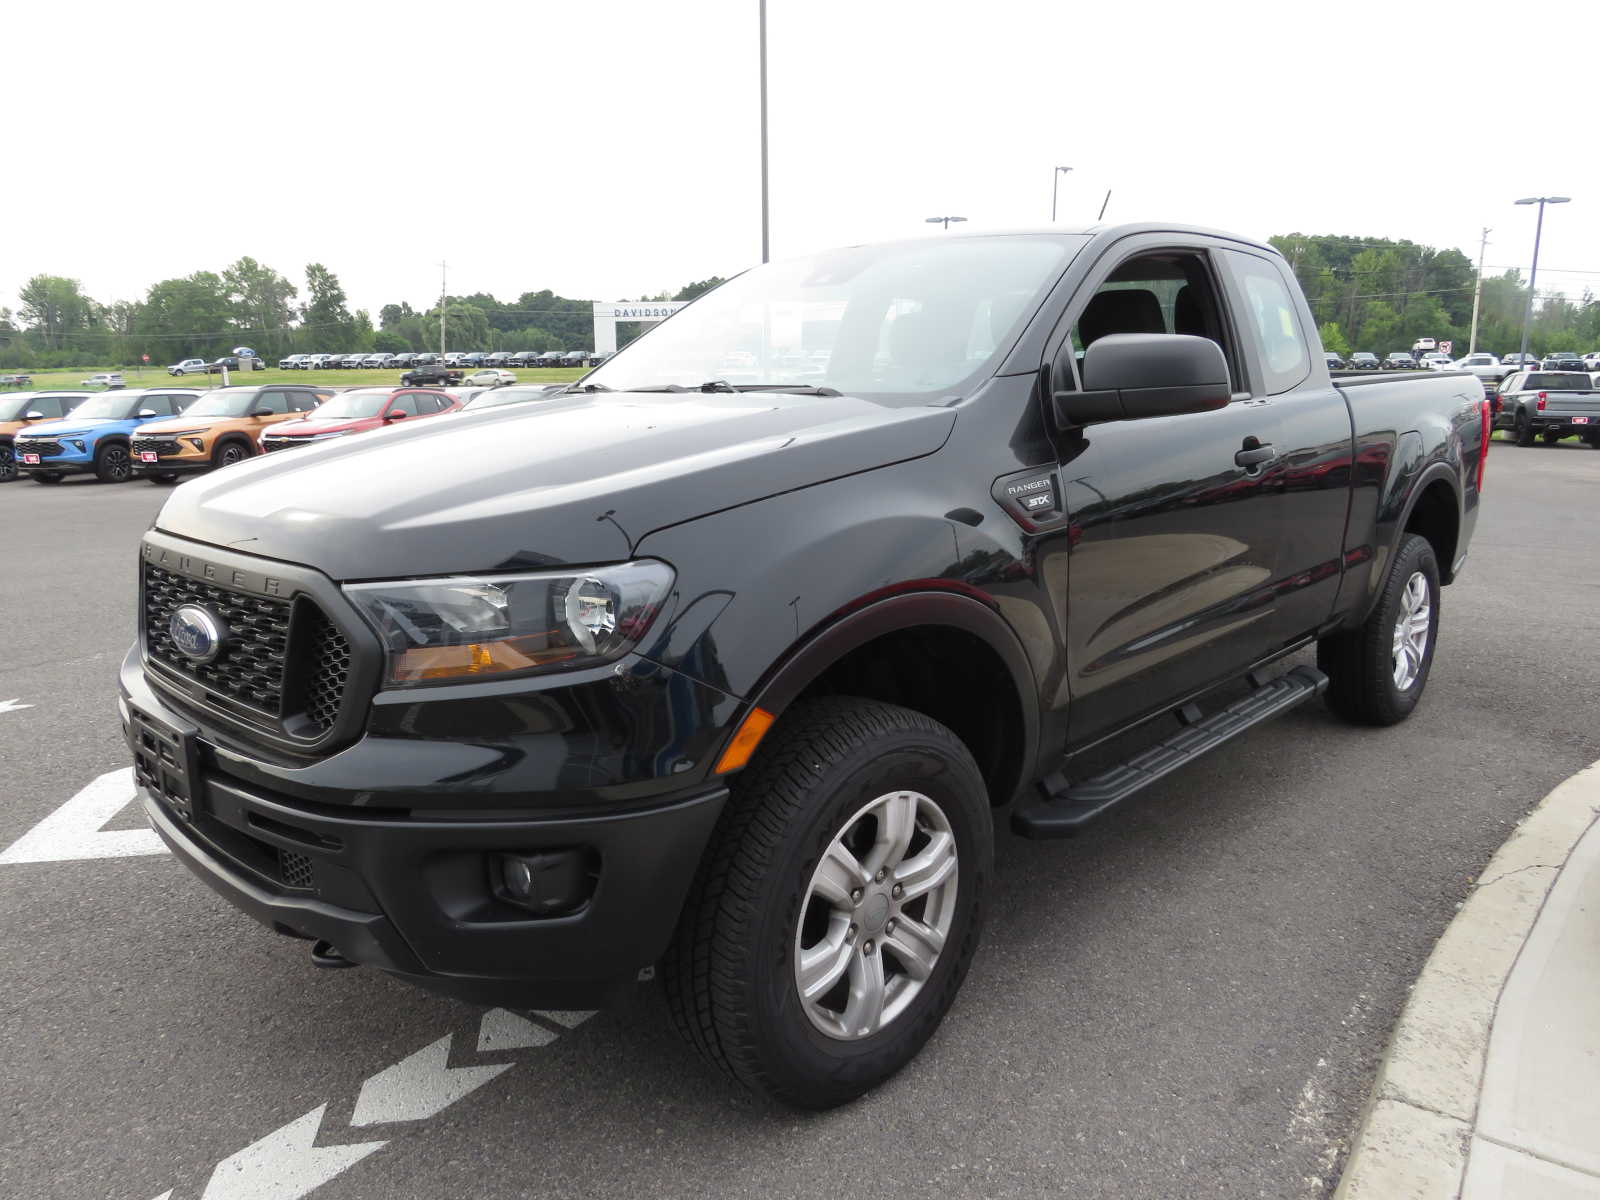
(94, 438)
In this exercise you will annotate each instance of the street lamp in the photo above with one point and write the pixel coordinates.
(1055, 179)
(1533, 273)
(945, 221)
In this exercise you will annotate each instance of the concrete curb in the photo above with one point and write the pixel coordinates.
(1413, 1139)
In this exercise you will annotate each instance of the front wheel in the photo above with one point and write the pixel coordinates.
(839, 904)
(228, 454)
(1376, 673)
(113, 464)
(8, 464)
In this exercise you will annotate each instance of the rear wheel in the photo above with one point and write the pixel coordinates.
(1592, 439)
(1376, 673)
(8, 464)
(839, 904)
(1552, 436)
(112, 464)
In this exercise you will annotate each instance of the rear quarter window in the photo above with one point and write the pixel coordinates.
(1270, 313)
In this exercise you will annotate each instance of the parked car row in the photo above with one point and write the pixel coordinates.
(1489, 368)
(472, 360)
(199, 366)
(161, 433)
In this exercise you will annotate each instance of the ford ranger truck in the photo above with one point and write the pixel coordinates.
(735, 680)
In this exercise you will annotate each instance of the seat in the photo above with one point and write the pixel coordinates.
(1121, 310)
(1187, 315)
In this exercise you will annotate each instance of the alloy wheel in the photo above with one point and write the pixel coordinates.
(1411, 631)
(876, 915)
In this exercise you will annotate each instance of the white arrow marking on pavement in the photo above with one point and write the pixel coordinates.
(570, 1019)
(15, 706)
(73, 830)
(166, 1195)
(285, 1164)
(501, 1029)
(419, 1086)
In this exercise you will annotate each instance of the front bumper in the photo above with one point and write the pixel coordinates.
(402, 881)
(68, 463)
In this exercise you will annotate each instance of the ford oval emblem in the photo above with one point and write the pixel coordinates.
(197, 632)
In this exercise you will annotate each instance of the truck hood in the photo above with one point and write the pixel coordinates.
(574, 480)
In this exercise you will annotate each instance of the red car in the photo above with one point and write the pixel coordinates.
(357, 411)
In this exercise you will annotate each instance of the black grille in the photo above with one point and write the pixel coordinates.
(42, 448)
(296, 870)
(271, 444)
(327, 670)
(251, 666)
(162, 446)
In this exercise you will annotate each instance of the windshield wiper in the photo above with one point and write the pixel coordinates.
(587, 387)
(722, 385)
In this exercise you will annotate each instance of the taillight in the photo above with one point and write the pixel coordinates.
(1483, 442)
(1541, 401)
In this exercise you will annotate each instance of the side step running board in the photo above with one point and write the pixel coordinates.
(1063, 809)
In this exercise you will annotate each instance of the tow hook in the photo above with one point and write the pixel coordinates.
(325, 954)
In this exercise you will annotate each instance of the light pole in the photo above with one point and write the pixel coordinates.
(1055, 179)
(945, 221)
(1533, 272)
(765, 244)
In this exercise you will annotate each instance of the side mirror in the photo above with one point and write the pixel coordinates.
(262, 412)
(1130, 376)
(33, 416)
(147, 412)
(397, 415)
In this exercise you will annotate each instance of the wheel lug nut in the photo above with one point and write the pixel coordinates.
(889, 928)
(897, 891)
(867, 949)
(883, 873)
(855, 895)
(850, 934)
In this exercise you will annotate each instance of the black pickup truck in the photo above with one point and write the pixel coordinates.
(433, 374)
(733, 676)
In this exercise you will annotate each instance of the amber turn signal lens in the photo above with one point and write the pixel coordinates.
(744, 743)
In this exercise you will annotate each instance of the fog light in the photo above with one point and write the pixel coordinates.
(550, 882)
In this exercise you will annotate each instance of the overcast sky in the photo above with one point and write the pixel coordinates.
(610, 150)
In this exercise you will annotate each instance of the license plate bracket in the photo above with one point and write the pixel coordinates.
(165, 761)
(31, 460)
(1580, 420)
(148, 456)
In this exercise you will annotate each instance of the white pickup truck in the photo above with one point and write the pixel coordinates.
(1489, 369)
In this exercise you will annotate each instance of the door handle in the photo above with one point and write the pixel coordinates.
(1255, 454)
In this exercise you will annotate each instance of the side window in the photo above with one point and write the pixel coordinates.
(1270, 310)
(273, 401)
(50, 406)
(1166, 292)
(160, 405)
(302, 401)
(406, 404)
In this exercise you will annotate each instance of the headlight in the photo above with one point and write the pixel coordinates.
(472, 627)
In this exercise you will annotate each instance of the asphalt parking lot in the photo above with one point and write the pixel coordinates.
(1188, 1000)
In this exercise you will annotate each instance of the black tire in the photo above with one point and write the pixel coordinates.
(729, 976)
(8, 464)
(1523, 432)
(1360, 664)
(229, 453)
(113, 463)
(1592, 440)
(162, 477)
(1552, 436)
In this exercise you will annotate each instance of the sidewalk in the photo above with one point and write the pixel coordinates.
(1490, 1087)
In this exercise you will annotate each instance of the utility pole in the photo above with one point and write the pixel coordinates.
(441, 311)
(766, 247)
(1477, 292)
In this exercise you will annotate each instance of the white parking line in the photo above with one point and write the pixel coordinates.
(12, 706)
(419, 1086)
(285, 1164)
(73, 831)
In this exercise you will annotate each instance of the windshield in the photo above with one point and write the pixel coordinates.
(115, 405)
(501, 396)
(353, 405)
(225, 403)
(1569, 381)
(909, 318)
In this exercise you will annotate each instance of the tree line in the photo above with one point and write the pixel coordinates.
(1371, 294)
(1380, 295)
(207, 314)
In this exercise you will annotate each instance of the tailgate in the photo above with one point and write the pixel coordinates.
(1571, 404)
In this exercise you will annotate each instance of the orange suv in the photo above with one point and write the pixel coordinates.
(218, 429)
(18, 410)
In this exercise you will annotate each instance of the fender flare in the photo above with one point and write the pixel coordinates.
(870, 618)
(1431, 475)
